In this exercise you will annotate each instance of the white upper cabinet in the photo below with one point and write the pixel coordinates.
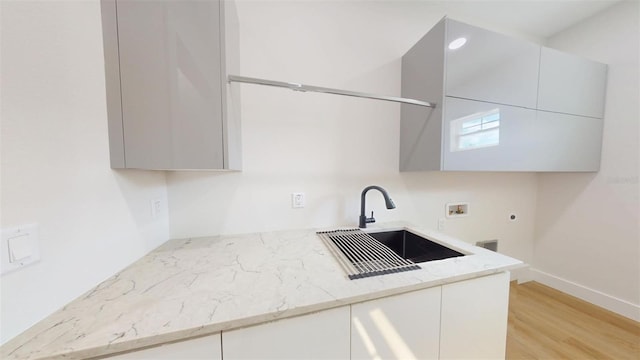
(482, 136)
(566, 142)
(502, 104)
(570, 84)
(169, 102)
(489, 66)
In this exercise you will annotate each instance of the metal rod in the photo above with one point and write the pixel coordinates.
(311, 88)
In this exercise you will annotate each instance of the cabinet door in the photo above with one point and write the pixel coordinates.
(405, 326)
(567, 142)
(422, 78)
(571, 84)
(204, 348)
(322, 335)
(474, 318)
(480, 136)
(171, 89)
(491, 67)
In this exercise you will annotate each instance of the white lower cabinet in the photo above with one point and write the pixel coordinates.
(474, 318)
(204, 348)
(462, 320)
(405, 326)
(322, 335)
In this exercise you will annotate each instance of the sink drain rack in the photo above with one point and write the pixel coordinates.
(362, 256)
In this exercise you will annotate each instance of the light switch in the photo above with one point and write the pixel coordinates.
(19, 247)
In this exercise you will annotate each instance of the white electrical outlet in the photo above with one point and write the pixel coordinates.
(297, 200)
(156, 208)
(441, 223)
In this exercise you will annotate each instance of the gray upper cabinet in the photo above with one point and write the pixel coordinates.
(169, 104)
(566, 142)
(502, 104)
(480, 135)
(570, 84)
(490, 66)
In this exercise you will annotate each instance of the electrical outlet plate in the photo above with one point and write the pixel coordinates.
(297, 200)
(156, 208)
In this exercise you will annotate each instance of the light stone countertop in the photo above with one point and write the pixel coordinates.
(193, 287)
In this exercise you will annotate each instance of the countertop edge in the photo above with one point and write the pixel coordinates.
(101, 352)
(498, 263)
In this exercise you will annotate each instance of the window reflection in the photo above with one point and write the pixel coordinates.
(475, 131)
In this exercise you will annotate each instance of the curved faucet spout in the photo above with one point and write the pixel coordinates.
(364, 220)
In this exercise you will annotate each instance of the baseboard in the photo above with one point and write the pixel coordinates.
(522, 274)
(618, 306)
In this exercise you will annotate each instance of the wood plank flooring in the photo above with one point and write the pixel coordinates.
(547, 324)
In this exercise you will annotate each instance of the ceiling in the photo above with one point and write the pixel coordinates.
(541, 18)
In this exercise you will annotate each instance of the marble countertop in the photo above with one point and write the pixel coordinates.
(193, 287)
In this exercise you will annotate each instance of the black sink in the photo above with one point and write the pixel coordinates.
(413, 247)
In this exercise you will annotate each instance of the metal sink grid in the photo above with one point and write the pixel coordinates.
(360, 255)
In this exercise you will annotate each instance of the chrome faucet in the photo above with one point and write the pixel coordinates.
(364, 220)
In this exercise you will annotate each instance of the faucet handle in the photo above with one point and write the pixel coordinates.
(371, 219)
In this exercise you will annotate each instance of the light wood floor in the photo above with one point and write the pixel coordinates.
(547, 324)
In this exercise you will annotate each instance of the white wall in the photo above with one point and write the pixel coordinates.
(331, 147)
(587, 238)
(55, 162)
(94, 221)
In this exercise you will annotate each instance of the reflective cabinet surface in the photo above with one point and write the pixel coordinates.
(570, 84)
(507, 104)
(567, 142)
(490, 66)
(481, 136)
(170, 65)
